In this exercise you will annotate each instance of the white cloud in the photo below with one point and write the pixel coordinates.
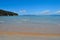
(22, 11)
(58, 12)
(45, 12)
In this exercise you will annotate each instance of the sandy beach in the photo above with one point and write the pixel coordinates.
(29, 29)
(27, 36)
(14, 32)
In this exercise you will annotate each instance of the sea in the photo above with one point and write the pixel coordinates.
(48, 24)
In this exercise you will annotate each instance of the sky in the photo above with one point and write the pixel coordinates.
(31, 7)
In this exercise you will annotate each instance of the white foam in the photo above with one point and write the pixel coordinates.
(25, 19)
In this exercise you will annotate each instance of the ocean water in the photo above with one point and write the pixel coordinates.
(32, 24)
(30, 19)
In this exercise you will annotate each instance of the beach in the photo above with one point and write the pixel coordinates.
(30, 28)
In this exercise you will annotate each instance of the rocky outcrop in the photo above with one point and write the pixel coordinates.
(7, 13)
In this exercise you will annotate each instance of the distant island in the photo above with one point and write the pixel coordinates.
(7, 13)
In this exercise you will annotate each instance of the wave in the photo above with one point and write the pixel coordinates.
(25, 20)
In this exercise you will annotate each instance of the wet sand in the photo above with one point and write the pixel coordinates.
(29, 32)
(28, 36)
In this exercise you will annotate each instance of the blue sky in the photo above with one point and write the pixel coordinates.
(31, 7)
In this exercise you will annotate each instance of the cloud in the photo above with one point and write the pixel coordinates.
(58, 12)
(22, 11)
(45, 12)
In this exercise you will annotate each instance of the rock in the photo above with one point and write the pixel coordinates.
(7, 13)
